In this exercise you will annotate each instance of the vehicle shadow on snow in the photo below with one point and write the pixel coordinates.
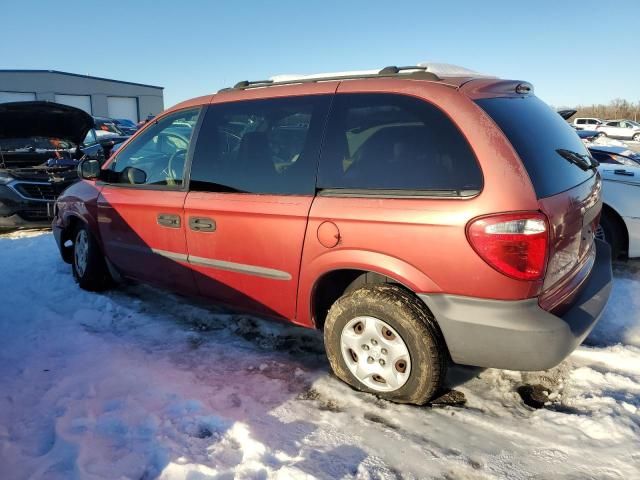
(227, 376)
(247, 368)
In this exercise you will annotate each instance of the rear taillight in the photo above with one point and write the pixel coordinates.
(515, 244)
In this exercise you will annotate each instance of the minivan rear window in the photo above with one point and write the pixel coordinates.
(539, 135)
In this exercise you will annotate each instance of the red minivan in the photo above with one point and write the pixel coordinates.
(415, 219)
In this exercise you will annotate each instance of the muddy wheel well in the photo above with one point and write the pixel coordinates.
(622, 228)
(331, 286)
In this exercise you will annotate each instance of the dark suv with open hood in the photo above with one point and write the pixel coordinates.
(40, 146)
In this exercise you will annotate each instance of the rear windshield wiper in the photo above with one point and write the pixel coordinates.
(585, 162)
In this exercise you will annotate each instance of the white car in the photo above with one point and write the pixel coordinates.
(620, 220)
(585, 123)
(623, 129)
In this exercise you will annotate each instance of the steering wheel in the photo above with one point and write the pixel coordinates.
(170, 171)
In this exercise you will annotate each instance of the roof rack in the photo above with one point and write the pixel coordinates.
(394, 69)
(255, 83)
(416, 72)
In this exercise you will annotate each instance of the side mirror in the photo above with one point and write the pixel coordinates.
(133, 176)
(89, 169)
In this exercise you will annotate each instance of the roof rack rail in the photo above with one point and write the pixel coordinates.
(418, 73)
(393, 69)
(255, 83)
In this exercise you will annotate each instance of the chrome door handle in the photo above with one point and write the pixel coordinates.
(169, 220)
(202, 224)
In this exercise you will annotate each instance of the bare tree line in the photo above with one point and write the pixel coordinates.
(617, 108)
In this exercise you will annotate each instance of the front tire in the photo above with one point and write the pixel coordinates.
(382, 340)
(88, 263)
(636, 137)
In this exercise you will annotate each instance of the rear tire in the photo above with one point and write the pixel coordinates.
(636, 137)
(382, 340)
(88, 263)
(610, 232)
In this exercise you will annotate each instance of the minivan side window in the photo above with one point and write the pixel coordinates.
(158, 155)
(260, 146)
(395, 142)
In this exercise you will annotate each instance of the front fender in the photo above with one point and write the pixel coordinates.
(353, 259)
(79, 202)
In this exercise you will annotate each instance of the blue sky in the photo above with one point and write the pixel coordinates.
(573, 52)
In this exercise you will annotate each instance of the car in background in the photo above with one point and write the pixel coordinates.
(127, 126)
(102, 142)
(621, 129)
(105, 125)
(589, 135)
(586, 123)
(41, 144)
(614, 155)
(620, 218)
(141, 123)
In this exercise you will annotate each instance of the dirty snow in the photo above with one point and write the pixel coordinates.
(140, 384)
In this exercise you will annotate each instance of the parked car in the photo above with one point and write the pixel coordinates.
(41, 144)
(586, 123)
(620, 221)
(415, 221)
(128, 127)
(102, 142)
(615, 155)
(148, 118)
(622, 129)
(106, 126)
(589, 135)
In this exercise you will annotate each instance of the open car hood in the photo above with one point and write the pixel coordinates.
(44, 119)
(567, 114)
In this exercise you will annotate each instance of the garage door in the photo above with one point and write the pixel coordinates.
(83, 102)
(6, 97)
(123, 107)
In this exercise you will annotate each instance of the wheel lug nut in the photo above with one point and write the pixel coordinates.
(370, 360)
(384, 351)
(374, 341)
(382, 362)
(365, 347)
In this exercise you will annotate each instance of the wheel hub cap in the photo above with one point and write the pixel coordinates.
(375, 354)
(81, 249)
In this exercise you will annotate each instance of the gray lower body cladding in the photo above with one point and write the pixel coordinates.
(519, 335)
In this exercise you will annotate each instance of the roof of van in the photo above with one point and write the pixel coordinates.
(472, 83)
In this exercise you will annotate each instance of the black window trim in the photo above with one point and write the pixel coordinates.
(395, 193)
(184, 187)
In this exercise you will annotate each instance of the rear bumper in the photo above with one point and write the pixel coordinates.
(519, 335)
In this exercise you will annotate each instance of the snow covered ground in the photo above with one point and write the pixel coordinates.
(138, 384)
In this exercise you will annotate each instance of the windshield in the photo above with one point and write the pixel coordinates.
(551, 151)
(34, 144)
